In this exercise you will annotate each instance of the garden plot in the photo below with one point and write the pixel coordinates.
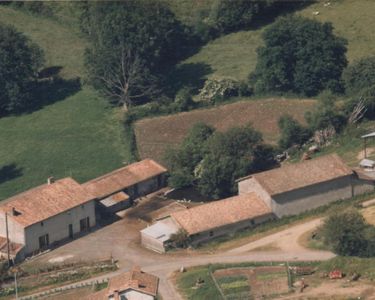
(252, 283)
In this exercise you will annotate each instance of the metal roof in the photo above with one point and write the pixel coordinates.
(372, 134)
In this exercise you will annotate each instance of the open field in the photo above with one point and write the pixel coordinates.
(154, 135)
(75, 133)
(234, 55)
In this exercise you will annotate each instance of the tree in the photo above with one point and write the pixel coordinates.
(20, 60)
(231, 155)
(180, 239)
(131, 44)
(301, 56)
(360, 76)
(292, 133)
(344, 232)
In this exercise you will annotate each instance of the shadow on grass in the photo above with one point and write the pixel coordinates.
(9, 172)
(192, 75)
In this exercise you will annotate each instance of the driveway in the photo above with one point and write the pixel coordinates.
(121, 240)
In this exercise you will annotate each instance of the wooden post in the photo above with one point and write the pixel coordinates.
(365, 147)
(7, 233)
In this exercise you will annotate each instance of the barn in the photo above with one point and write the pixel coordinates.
(117, 190)
(46, 215)
(295, 188)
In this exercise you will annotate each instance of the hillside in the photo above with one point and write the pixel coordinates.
(234, 55)
(77, 134)
(155, 135)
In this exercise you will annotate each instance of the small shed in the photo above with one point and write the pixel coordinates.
(367, 164)
(157, 235)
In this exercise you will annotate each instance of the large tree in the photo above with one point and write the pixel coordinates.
(301, 56)
(20, 61)
(131, 44)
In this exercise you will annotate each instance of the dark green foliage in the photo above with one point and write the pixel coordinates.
(184, 100)
(145, 34)
(348, 234)
(359, 76)
(33, 7)
(213, 161)
(367, 95)
(326, 114)
(301, 56)
(180, 239)
(20, 61)
(292, 133)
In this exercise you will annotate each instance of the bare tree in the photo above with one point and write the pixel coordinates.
(358, 112)
(130, 80)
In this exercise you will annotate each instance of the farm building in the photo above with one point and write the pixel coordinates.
(117, 190)
(135, 285)
(45, 215)
(295, 188)
(206, 221)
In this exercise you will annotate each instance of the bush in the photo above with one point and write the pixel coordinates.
(180, 239)
(360, 76)
(216, 90)
(184, 100)
(292, 133)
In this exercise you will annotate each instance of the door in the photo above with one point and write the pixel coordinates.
(84, 224)
(43, 241)
(71, 231)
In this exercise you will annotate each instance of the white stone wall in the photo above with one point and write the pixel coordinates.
(57, 227)
(252, 185)
(16, 231)
(152, 243)
(135, 295)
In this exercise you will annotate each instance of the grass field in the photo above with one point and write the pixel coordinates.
(154, 135)
(234, 55)
(78, 135)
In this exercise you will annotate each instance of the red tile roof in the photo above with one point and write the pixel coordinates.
(45, 201)
(220, 213)
(299, 175)
(133, 280)
(122, 178)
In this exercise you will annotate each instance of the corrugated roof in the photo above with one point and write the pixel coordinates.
(46, 201)
(222, 212)
(124, 177)
(162, 230)
(299, 175)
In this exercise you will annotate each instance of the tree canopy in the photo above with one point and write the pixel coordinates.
(131, 43)
(301, 56)
(360, 76)
(212, 161)
(292, 133)
(20, 60)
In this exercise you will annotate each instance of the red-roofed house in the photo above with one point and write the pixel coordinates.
(45, 215)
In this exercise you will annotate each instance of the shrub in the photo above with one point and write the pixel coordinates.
(180, 239)
(292, 133)
(216, 90)
(184, 100)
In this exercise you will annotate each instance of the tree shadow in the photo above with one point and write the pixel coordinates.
(49, 72)
(192, 75)
(9, 172)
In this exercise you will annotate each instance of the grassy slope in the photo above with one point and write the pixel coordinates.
(234, 55)
(79, 136)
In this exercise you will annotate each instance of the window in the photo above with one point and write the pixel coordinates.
(252, 222)
(211, 233)
(84, 224)
(41, 223)
(43, 241)
(71, 231)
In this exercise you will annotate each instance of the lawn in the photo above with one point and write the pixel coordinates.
(234, 55)
(77, 134)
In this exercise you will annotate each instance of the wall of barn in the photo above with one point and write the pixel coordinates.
(228, 229)
(16, 231)
(313, 196)
(152, 243)
(57, 227)
(252, 185)
(146, 187)
(362, 186)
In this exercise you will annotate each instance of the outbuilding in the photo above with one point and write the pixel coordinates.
(295, 188)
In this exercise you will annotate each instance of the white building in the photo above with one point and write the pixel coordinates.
(44, 216)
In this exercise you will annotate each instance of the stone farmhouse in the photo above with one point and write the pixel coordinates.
(44, 216)
(206, 221)
(287, 190)
(61, 210)
(135, 285)
(117, 190)
(295, 188)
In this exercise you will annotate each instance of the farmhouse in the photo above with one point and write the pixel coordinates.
(206, 221)
(116, 190)
(295, 188)
(45, 215)
(135, 285)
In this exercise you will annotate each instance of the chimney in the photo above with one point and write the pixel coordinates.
(50, 180)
